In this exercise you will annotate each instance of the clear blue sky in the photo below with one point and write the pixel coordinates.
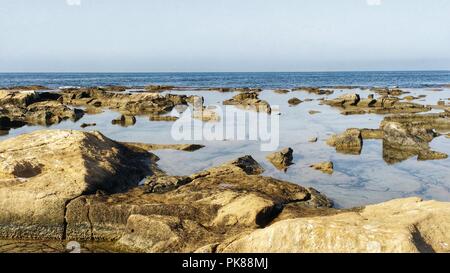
(223, 35)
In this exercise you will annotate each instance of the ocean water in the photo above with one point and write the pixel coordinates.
(417, 79)
(357, 180)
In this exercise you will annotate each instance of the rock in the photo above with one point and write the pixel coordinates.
(17, 98)
(431, 155)
(84, 125)
(162, 118)
(249, 101)
(403, 225)
(313, 112)
(314, 90)
(405, 136)
(163, 184)
(150, 147)
(29, 88)
(410, 98)
(294, 101)
(281, 91)
(116, 88)
(325, 167)
(125, 120)
(372, 133)
(312, 139)
(281, 159)
(127, 103)
(43, 171)
(351, 104)
(388, 92)
(206, 114)
(159, 88)
(216, 204)
(441, 103)
(344, 100)
(90, 110)
(349, 142)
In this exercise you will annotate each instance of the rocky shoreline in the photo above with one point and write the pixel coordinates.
(70, 185)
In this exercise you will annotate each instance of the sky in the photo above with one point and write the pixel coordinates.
(223, 35)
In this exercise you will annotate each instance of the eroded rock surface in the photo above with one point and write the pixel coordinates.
(41, 172)
(403, 225)
(281, 159)
(352, 104)
(349, 142)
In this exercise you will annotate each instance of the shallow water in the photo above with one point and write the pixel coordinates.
(357, 179)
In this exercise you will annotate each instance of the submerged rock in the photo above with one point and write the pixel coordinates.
(43, 171)
(325, 167)
(281, 159)
(180, 147)
(249, 101)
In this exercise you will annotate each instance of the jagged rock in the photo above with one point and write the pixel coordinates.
(43, 171)
(403, 225)
(349, 142)
(281, 159)
(226, 200)
(431, 155)
(250, 101)
(294, 101)
(326, 167)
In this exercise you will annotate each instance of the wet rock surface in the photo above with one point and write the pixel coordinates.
(325, 167)
(349, 142)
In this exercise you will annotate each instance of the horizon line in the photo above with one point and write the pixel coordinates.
(204, 72)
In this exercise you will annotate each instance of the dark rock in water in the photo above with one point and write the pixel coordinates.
(162, 118)
(325, 167)
(29, 88)
(294, 101)
(84, 125)
(281, 159)
(250, 101)
(125, 120)
(313, 112)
